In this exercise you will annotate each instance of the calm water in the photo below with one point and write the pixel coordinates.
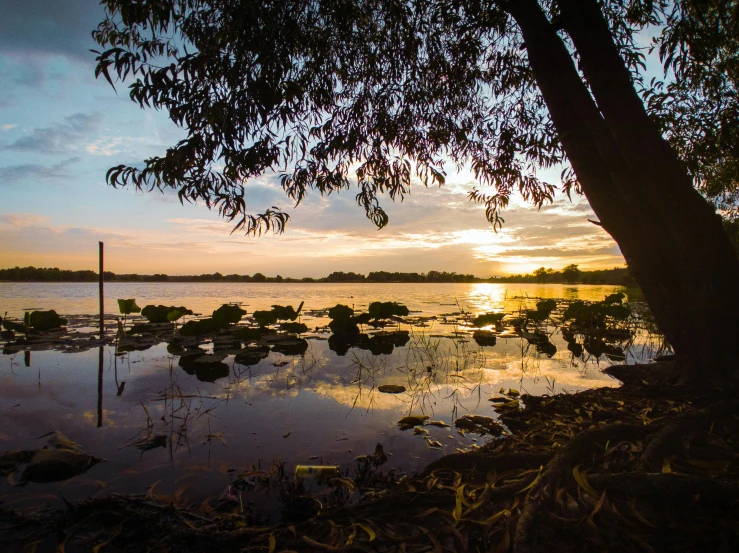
(318, 408)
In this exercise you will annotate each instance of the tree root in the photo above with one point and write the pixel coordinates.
(487, 462)
(663, 373)
(669, 439)
(541, 494)
(661, 486)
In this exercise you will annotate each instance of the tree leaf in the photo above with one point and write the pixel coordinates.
(582, 482)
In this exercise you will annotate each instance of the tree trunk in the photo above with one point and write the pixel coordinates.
(670, 236)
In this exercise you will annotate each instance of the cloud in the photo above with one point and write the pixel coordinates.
(8, 126)
(18, 221)
(44, 28)
(18, 173)
(58, 138)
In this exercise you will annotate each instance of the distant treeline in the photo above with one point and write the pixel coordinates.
(571, 274)
(568, 275)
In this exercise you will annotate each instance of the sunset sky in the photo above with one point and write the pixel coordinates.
(60, 130)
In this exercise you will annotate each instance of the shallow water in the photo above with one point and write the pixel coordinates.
(318, 408)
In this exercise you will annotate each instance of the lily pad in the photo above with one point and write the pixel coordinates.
(484, 338)
(252, 355)
(391, 389)
(199, 327)
(159, 313)
(387, 309)
(488, 319)
(287, 313)
(128, 306)
(340, 312)
(45, 320)
(246, 334)
(205, 367)
(227, 314)
(294, 328)
(265, 318)
(295, 346)
(412, 420)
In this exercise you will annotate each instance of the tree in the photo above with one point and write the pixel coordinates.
(340, 93)
(541, 274)
(571, 273)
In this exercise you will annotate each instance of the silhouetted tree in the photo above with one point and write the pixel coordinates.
(571, 273)
(340, 276)
(336, 92)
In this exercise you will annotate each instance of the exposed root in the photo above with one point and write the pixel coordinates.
(542, 493)
(660, 486)
(670, 440)
(486, 462)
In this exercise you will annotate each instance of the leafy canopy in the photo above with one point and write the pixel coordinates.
(333, 94)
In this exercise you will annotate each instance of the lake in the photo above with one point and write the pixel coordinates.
(321, 406)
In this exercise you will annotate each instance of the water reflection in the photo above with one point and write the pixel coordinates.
(202, 411)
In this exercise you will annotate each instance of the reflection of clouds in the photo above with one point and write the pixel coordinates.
(463, 375)
(365, 398)
(91, 418)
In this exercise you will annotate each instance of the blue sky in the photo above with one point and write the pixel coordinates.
(61, 129)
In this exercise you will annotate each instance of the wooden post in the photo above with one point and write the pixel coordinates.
(101, 356)
(102, 308)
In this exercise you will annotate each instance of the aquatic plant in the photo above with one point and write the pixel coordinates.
(295, 346)
(199, 327)
(13, 325)
(340, 312)
(345, 323)
(159, 313)
(251, 355)
(287, 313)
(277, 313)
(484, 338)
(247, 334)
(384, 310)
(294, 328)
(128, 306)
(265, 318)
(488, 319)
(45, 320)
(228, 314)
(597, 316)
(175, 315)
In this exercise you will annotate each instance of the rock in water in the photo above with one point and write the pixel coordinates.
(53, 465)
